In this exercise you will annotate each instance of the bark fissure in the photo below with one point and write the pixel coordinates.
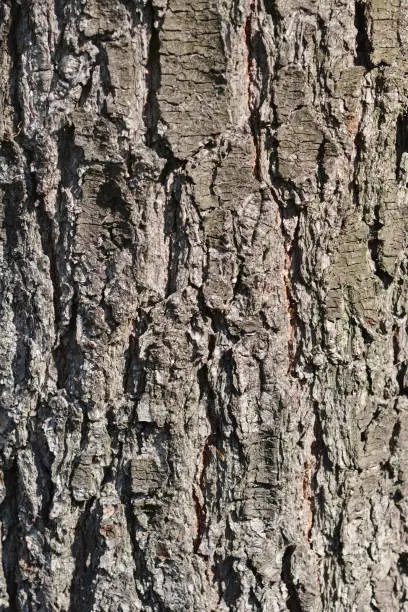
(293, 602)
(252, 67)
(87, 552)
(363, 45)
(10, 533)
(376, 246)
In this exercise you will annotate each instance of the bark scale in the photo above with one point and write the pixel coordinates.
(204, 398)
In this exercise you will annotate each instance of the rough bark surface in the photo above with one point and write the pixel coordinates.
(204, 284)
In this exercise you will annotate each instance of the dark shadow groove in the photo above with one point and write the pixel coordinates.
(10, 545)
(401, 142)
(14, 45)
(87, 550)
(375, 247)
(293, 602)
(363, 44)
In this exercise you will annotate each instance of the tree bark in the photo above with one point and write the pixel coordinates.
(204, 389)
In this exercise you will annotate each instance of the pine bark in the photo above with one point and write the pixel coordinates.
(203, 279)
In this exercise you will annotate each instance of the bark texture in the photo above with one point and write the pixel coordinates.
(204, 276)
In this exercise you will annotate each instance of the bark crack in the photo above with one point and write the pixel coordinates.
(293, 602)
(254, 116)
(375, 247)
(363, 44)
(9, 519)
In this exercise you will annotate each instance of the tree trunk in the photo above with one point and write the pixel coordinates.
(203, 305)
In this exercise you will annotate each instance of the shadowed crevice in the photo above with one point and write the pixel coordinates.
(14, 46)
(293, 602)
(363, 44)
(375, 247)
(11, 533)
(151, 111)
(87, 550)
(401, 143)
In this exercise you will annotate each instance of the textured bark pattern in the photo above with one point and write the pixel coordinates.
(204, 284)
